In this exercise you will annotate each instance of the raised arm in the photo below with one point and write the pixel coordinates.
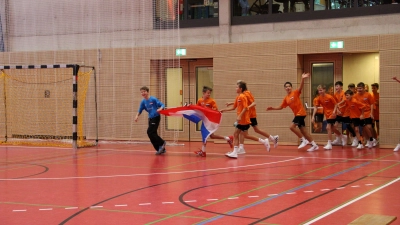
(395, 78)
(303, 76)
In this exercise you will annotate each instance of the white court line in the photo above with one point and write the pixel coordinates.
(96, 206)
(233, 198)
(212, 199)
(191, 201)
(145, 204)
(355, 186)
(272, 194)
(19, 210)
(340, 188)
(167, 202)
(368, 184)
(351, 202)
(46, 209)
(72, 208)
(121, 205)
(151, 174)
(291, 193)
(308, 191)
(325, 189)
(254, 196)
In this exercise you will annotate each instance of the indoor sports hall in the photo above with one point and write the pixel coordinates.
(75, 147)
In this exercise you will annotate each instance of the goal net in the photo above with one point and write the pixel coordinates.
(48, 105)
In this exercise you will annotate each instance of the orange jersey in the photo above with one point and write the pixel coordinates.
(354, 107)
(293, 101)
(367, 100)
(339, 96)
(240, 104)
(208, 103)
(328, 102)
(376, 105)
(250, 100)
(320, 110)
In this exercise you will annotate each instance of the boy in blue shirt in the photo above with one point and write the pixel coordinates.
(152, 105)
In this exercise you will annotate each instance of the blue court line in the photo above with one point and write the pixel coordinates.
(284, 193)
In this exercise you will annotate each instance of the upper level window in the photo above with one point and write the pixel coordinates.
(198, 9)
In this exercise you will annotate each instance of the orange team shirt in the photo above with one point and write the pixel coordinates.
(319, 110)
(367, 100)
(208, 103)
(293, 101)
(376, 105)
(339, 96)
(240, 104)
(250, 100)
(328, 102)
(354, 107)
(344, 109)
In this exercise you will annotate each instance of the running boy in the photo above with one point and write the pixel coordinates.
(366, 98)
(242, 121)
(292, 100)
(152, 105)
(253, 120)
(328, 103)
(207, 102)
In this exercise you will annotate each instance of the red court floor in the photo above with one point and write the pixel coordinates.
(129, 184)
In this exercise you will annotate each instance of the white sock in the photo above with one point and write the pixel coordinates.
(203, 148)
(329, 142)
(241, 145)
(271, 138)
(261, 140)
(313, 143)
(235, 149)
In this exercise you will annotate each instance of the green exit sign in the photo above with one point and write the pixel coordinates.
(336, 44)
(180, 51)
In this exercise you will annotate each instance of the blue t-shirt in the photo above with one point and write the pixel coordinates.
(150, 105)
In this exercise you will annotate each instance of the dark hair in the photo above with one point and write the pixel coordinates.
(339, 83)
(351, 85)
(375, 85)
(206, 88)
(361, 84)
(348, 92)
(242, 85)
(288, 83)
(144, 88)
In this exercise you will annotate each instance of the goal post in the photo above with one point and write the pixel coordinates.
(38, 101)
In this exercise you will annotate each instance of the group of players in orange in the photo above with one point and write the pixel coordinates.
(354, 107)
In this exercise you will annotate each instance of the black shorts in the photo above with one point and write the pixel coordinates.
(299, 121)
(346, 120)
(356, 122)
(319, 117)
(331, 121)
(253, 122)
(243, 127)
(366, 121)
(339, 119)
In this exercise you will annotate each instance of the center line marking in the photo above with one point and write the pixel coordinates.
(291, 193)
(355, 186)
(340, 188)
(19, 210)
(368, 184)
(46, 209)
(212, 199)
(233, 198)
(145, 203)
(308, 191)
(325, 189)
(120, 205)
(254, 196)
(71, 208)
(272, 194)
(191, 201)
(96, 206)
(168, 203)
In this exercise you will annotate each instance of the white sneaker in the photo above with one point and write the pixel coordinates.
(313, 148)
(328, 146)
(241, 151)
(344, 140)
(275, 140)
(232, 154)
(369, 144)
(266, 144)
(303, 143)
(355, 142)
(397, 148)
(337, 141)
(360, 146)
(374, 142)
